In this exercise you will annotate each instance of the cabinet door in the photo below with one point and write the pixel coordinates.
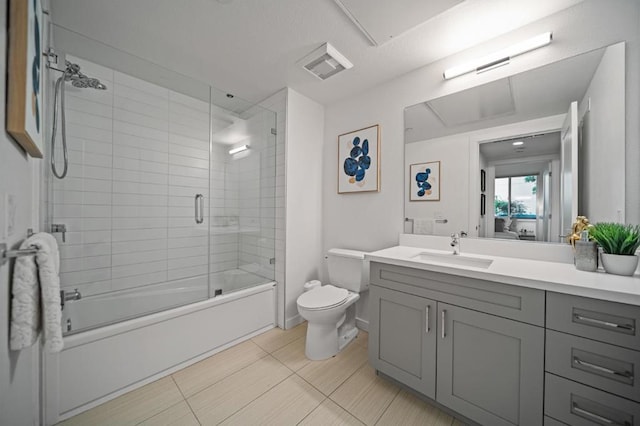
(490, 369)
(402, 338)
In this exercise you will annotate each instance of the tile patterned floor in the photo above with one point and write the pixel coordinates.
(268, 381)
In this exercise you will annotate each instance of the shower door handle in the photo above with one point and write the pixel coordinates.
(199, 208)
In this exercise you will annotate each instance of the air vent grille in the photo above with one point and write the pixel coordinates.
(325, 62)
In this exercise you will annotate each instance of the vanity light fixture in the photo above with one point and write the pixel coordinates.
(499, 58)
(518, 143)
(238, 149)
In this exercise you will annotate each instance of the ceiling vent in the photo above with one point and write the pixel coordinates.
(325, 61)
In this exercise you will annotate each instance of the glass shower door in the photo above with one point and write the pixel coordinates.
(242, 213)
(134, 200)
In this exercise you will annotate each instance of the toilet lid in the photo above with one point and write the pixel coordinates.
(323, 297)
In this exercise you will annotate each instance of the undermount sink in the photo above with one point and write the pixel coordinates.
(457, 259)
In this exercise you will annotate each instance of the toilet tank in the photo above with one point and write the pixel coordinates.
(348, 269)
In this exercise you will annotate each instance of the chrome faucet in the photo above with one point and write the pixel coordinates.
(455, 243)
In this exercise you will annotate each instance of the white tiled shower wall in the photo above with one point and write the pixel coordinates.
(139, 153)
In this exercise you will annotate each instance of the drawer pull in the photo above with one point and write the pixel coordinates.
(428, 328)
(597, 417)
(624, 374)
(444, 313)
(604, 323)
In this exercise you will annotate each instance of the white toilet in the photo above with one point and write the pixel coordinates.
(330, 309)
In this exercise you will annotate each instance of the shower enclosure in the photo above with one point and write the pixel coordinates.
(168, 198)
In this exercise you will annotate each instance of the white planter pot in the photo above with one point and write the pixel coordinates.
(619, 264)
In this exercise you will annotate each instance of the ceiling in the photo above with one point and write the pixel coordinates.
(251, 47)
(533, 146)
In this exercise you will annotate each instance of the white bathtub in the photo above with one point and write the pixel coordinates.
(101, 364)
(104, 309)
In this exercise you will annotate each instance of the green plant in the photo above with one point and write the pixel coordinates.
(615, 238)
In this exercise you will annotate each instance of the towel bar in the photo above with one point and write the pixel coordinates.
(407, 219)
(5, 254)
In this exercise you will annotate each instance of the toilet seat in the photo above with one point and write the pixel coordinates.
(324, 297)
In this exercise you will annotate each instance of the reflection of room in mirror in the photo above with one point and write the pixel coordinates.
(520, 206)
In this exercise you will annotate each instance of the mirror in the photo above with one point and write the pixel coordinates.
(521, 156)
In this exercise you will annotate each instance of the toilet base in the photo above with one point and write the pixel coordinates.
(346, 337)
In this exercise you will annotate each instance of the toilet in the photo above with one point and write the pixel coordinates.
(330, 309)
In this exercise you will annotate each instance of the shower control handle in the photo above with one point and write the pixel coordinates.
(199, 208)
(59, 228)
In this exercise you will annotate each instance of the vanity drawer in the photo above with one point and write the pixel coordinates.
(607, 367)
(609, 322)
(577, 404)
(504, 300)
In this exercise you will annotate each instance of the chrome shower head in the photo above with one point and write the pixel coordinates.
(81, 81)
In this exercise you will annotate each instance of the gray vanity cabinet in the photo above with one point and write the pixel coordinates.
(475, 346)
(403, 345)
(490, 368)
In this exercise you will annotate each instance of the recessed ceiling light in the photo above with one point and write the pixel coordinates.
(518, 143)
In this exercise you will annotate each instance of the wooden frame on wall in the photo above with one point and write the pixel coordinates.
(359, 160)
(24, 83)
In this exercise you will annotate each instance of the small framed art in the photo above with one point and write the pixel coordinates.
(424, 181)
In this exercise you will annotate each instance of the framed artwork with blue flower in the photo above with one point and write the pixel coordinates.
(24, 83)
(424, 181)
(359, 160)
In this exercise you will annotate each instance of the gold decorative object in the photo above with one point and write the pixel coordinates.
(581, 224)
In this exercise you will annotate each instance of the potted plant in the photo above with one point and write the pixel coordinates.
(619, 244)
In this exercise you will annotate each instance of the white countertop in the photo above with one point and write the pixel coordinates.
(543, 275)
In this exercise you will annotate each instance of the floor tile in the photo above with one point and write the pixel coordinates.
(178, 415)
(293, 355)
(329, 413)
(365, 395)
(219, 401)
(133, 407)
(362, 338)
(330, 373)
(285, 404)
(215, 368)
(407, 410)
(276, 338)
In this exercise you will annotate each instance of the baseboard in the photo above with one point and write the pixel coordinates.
(362, 324)
(293, 321)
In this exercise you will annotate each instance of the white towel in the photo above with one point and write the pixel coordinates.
(423, 226)
(36, 291)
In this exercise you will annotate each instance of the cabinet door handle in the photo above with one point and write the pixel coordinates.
(444, 313)
(602, 369)
(597, 417)
(427, 320)
(603, 323)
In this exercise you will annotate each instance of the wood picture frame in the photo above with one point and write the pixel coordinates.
(25, 71)
(359, 160)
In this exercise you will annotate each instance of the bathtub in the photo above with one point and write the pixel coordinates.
(104, 309)
(102, 363)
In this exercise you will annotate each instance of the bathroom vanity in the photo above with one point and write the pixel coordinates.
(506, 341)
